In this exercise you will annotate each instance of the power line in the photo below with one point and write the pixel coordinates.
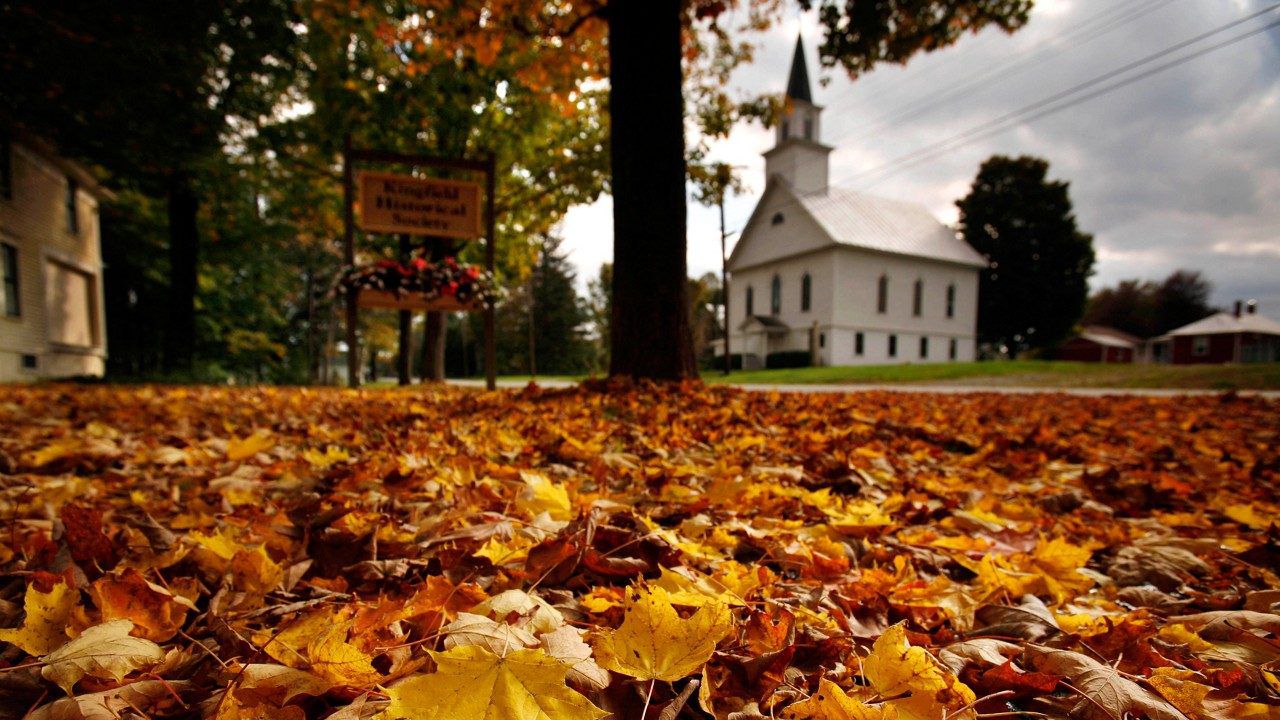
(1060, 45)
(1085, 26)
(1028, 113)
(1008, 120)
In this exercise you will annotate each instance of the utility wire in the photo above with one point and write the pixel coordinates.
(1021, 116)
(915, 109)
(1084, 27)
(1016, 117)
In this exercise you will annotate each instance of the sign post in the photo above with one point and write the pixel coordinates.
(410, 205)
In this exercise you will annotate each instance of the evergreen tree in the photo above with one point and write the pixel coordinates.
(600, 309)
(541, 327)
(1034, 290)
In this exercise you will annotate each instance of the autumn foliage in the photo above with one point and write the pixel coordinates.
(660, 551)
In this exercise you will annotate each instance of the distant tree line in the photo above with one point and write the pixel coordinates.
(1147, 309)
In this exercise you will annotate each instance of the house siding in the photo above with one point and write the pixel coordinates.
(34, 222)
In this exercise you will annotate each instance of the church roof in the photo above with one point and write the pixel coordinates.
(798, 83)
(904, 228)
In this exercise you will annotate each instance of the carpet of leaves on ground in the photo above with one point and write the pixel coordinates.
(669, 551)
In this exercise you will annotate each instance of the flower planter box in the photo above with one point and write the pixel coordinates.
(386, 300)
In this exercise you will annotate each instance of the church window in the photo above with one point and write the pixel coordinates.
(786, 129)
(893, 346)
(951, 301)
(806, 291)
(822, 340)
(924, 347)
(777, 219)
(858, 344)
(775, 296)
(808, 128)
(917, 298)
(951, 350)
(751, 301)
(882, 295)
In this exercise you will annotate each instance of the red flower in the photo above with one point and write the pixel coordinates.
(472, 273)
(384, 263)
(451, 288)
(419, 264)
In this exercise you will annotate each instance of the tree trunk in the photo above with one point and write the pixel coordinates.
(650, 330)
(180, 329)
(405, 339)
(433, 337)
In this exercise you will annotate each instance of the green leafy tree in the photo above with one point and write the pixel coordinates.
(1034, 290)
(1181, 299)
(1148, 309)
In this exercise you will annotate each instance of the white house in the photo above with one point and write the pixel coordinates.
(855, 279)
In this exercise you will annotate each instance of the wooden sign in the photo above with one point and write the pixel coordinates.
(419, 206)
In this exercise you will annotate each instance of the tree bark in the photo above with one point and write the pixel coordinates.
(404, 352)
(651, 335)
(184, 240)
(433, 337)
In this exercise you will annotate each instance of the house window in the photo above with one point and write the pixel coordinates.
(9, 266)
(882, 295)
(951, 349)
(6, 167)
(808, 128)
(775, 296)
(951, 301)
(751, 301)
(917, 298)
(778, 218)
(73, 218)
(1200, 345)
(71, 311)
(857, 344)
(893, 346)
(924, 348)
(806, 290)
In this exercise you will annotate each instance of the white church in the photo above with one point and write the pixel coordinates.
(853, 279)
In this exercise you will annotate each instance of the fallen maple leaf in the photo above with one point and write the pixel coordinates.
(44, 628)
(471, 683)
(655, 643)
(833, 703)
(103, 651)
(894, 667)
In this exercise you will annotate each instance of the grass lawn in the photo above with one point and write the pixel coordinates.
(1030, 373)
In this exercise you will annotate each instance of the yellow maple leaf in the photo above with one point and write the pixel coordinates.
(338, 661)
(541, 495)
(687, 586)
(501, 552)
(45, 627)
(654, 642)
(247, 447)
(105, 651)
(833, 703)
(471, 683)
(895, 668)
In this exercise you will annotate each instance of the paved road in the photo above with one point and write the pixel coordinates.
(1010, 390)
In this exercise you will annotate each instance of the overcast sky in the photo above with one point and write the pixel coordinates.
(1178, 170)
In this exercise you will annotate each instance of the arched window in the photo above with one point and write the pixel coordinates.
(951, 301)
(786, 129)
(775, 296)
(751, 301)
(882, 295)
(917, 298)
(808, 128)
(778, 218)
(806, 292)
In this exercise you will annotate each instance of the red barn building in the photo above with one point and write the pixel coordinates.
(1223, 338)
(1100, 344)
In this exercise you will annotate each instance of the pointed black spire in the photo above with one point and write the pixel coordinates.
(798, 83)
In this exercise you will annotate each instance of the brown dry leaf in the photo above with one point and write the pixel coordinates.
(150, 696)
(1107, 693)
(155, 612)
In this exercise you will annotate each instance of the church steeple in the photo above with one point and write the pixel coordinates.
(798, 83)
(798, 157)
